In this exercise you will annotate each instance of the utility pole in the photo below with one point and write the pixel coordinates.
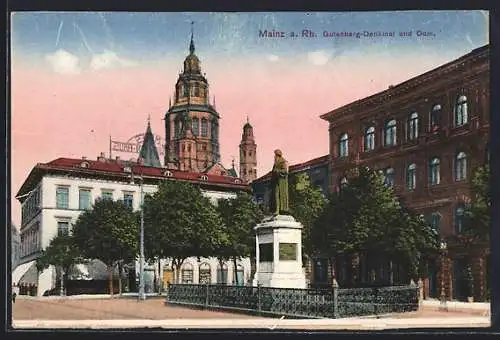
(142, 295)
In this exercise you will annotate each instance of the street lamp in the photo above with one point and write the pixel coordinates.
(443, 247)
(141, 295)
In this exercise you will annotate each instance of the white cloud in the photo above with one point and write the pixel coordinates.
(64, 62)
(109, 60)
(319, 57)
(272, 57)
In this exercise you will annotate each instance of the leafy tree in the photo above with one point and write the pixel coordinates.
(110, 233)
(364, 216)
(180, 223)
(478, 212)
(306, 204)
(62, 253)
(239, 215)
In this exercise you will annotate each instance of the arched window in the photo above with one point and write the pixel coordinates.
(389, 177)
(187, 273)
(204, 127)
(412, 176)
(435, 118)
(196, 90)
(369, 139)
(177, 131)
(459, 218)
(186, 90)
(461, 111)
(436, 221)
(434, 171)
(412, 129)
(344, 145)
(222, 274)
(460, 166)
(390, 133)
(196, 126)
(204, 274)
(240, 276)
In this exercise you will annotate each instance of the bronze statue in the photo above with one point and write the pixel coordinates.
(278, 203)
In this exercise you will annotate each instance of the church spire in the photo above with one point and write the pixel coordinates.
(191, 44)
(149, 153)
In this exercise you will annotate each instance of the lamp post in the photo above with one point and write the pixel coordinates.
(141, 295)
(442, 299)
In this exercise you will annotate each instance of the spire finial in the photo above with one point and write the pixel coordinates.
(248, 121)
(191, 45)
(232, 162)
(149, 118)
(214, 100)
(169, 102)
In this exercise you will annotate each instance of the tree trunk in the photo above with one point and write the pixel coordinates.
(120, 273)
(235, 271)
(61, 288)
(221, 266)
(332, 268)
(391, 273)
(159, 277)
(110, 279)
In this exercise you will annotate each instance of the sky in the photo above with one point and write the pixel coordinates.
(78, 78)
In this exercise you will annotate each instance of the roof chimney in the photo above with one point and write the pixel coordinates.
(84, 158)
(101, 157)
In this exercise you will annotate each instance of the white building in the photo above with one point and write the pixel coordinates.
(15, 246)
(55, 193)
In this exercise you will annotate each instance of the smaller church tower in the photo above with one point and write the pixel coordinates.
(149, 153)
(248, 154)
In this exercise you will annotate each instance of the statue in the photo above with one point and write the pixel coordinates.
(278, 203)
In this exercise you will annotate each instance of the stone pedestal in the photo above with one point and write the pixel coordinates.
(279, 253)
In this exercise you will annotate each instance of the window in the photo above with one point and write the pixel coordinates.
(62, 197)
(369, 139)
(460, 166)
(84, 199)
(222, 274)
(62, 228)
(186, 90)
(412, 132)
(196, 126)
(389, 177)
(412, 176)
(344, 145)
(434, 171)
(196, 91)
(107, 194)
(205, 274)
(459, 218)
(177, 131)
(128, 200)
(204, 127)
(461, 111)
(187, 274)
(390, 133)
(436, 221)
(435, 118)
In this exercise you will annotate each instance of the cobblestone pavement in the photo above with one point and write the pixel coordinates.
(155, 309)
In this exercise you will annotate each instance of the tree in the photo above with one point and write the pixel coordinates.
(364, 216)
(239, 215)
(181, 222)
(110, 233)
(478, 212)
(63, 253)
(306, 204)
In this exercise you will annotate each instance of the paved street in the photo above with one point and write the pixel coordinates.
(128, 312)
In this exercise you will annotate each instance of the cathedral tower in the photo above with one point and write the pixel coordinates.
(248, 154)
(191, 122)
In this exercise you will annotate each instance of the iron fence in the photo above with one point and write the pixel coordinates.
(296, 303)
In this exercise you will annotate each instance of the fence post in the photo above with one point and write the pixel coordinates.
(416, 291)
(166, 293)
(259, 302)
(420, 291)
(375, 301)
(335, 296)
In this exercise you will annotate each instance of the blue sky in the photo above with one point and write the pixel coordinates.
(157, 35)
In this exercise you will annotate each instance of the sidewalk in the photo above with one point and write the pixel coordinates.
(263, 323)
(456, 306)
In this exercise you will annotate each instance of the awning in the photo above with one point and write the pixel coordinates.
(30, 277)
(21, 270)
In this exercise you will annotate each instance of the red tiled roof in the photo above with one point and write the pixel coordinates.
(300, 166)
(111, 167)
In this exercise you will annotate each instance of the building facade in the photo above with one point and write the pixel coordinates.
(56, 193)
(15, 246)
(427, 135)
